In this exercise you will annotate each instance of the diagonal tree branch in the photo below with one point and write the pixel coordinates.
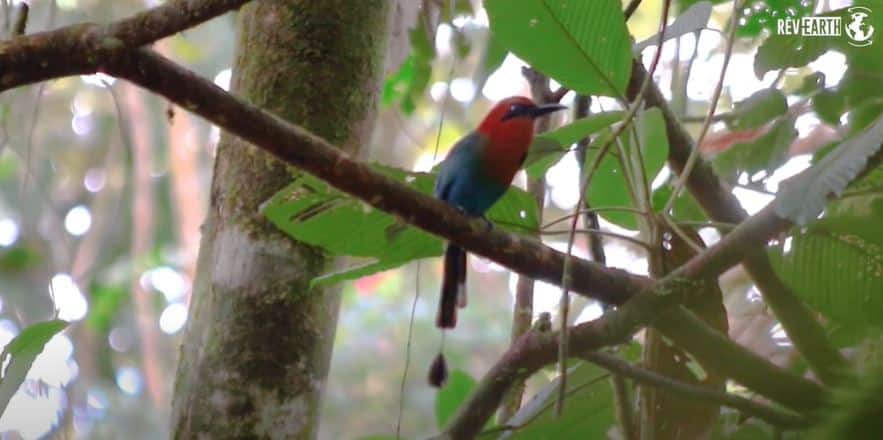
(82, 48)
(715, 197)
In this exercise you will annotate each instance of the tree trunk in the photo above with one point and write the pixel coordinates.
(257, 347)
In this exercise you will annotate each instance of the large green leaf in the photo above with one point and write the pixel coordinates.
(21, 352)
(803, 197)
(588, 410)
(454, 393)
(610, 186)
(584, 45)
(838, 274)
(548, 148)
(312, 212)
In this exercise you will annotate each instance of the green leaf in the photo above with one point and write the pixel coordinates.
(757, 110)
(684, 209)
(584, 45)
(409, 83)
(840, 275)
(609, 186)
(588, 411)
(653, 141)
(693, 19)
(105, 303)
(829, 105)
(21, 352)
(766, 152)
(452, 395)
(18, 258)
(310, 211)
(548, 148)
(803, 197)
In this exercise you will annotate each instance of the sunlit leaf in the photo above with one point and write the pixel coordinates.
(583, 45)
(548, 148)
(21, 352)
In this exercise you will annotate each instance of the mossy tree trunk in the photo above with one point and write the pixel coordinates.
(257, 347)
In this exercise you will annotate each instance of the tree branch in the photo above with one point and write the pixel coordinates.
(83, 48)
(716, 199)
(775, 416)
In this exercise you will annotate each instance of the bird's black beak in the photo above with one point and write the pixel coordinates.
(545, 109)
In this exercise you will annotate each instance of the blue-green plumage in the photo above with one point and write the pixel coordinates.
(463, 182)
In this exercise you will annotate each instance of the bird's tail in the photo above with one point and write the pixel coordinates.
(453, 292)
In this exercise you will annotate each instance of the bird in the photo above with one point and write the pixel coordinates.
(474, 175)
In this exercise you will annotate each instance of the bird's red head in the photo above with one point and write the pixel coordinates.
(510, 122)
(508, 128)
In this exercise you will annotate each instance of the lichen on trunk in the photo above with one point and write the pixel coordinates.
(257, 347)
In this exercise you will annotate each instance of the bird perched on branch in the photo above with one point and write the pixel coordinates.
(474, 175)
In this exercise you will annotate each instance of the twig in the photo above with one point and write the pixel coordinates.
(593, 212)
(631, 8)
(775, 416)
(592, 232)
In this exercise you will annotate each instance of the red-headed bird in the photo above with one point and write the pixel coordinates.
(475, 174)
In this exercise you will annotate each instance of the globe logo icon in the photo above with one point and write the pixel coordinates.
(858, 28)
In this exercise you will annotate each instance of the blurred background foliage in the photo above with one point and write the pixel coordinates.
(103, 188)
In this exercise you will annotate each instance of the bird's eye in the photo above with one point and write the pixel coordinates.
(513, 108)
